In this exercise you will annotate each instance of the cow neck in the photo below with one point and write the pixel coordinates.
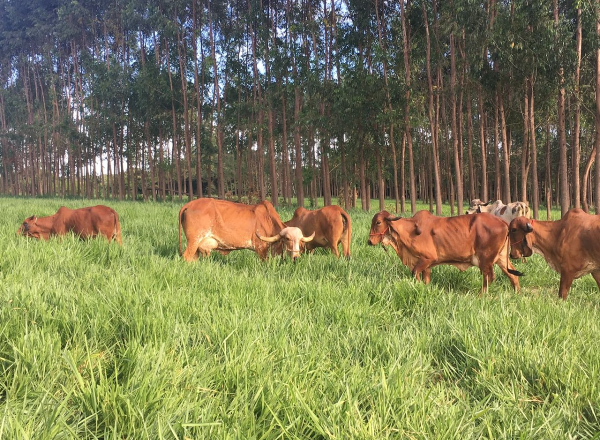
(544, 236)
(46, 223)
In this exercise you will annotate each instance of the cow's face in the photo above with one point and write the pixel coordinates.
(291, 239)
(520, 240)
(379, 228)
(30, 228)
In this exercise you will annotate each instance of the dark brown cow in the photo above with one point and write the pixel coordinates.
(330, 224)
(571, 245)
(211, 224)
(84, 222)
(425, 241)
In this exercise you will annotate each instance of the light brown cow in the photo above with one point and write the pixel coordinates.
(425, 241)
(571, 245)
(331, 225)
(84, 222)
(211, 224)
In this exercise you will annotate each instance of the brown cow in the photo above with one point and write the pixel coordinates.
(84, 222)
(330, 224)
(211, 224)
(425, 241)
(569, 245)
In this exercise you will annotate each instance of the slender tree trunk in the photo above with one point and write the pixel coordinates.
(576, 154)
(534, 167)
(505, 151)
(563, 172)
(182, 52)
(432, 120)
(525, 147)
(484, 182)
(407, 128)
(199, 88)
(455, 146)
(597, 114)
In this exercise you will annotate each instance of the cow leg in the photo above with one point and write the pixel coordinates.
(191, 253)
(345, 245)
(506, 264)
(487, 271)
(334, 249)
(596, 276)
(566, 279)
(427, 275)
(422, 266)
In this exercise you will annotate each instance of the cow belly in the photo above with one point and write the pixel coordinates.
(590, 266)
(208, 244)
(462, 266)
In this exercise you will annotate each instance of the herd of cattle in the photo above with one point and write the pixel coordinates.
(485, 236)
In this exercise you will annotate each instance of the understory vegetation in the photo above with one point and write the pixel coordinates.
(99, 341)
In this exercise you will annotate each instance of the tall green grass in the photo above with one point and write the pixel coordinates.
(99, 341)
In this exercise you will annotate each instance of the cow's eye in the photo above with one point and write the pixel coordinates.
(378, 222)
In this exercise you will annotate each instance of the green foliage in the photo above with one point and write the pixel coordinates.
(101, 341)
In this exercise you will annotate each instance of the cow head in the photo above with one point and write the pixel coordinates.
(520, 240)
(292, 240)
(476, 207)
(30, 228)
(380, 226)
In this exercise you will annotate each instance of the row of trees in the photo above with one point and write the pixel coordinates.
(432, 100)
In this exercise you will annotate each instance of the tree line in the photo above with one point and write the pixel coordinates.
(344, 100)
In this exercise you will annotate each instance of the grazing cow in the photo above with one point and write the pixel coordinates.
(499, 209)
(571, 245)
(85, 222)
(330, 225)
(425, 240)
(211, 224)
(292, 240)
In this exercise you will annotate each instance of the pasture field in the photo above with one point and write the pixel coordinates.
(99, 341)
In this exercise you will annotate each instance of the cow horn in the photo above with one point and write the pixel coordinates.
(485, 204)
(417, 229)
(309, 238)
(392, 219)
(529, 227)
(272, 239)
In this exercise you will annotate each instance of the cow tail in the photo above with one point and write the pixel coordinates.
(348, 230)
(117, 230)
(181, 213)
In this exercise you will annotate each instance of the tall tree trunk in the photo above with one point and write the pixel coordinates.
(505, 151)
(176, 154)
(534, 167)
(219, 117)
(563, 172)
(407, 127)
(576, 154)
(455, 143)
(199, 88)
(432, 120)
(597, 114)
(182, 53)
(484, 182)
(525, 146)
